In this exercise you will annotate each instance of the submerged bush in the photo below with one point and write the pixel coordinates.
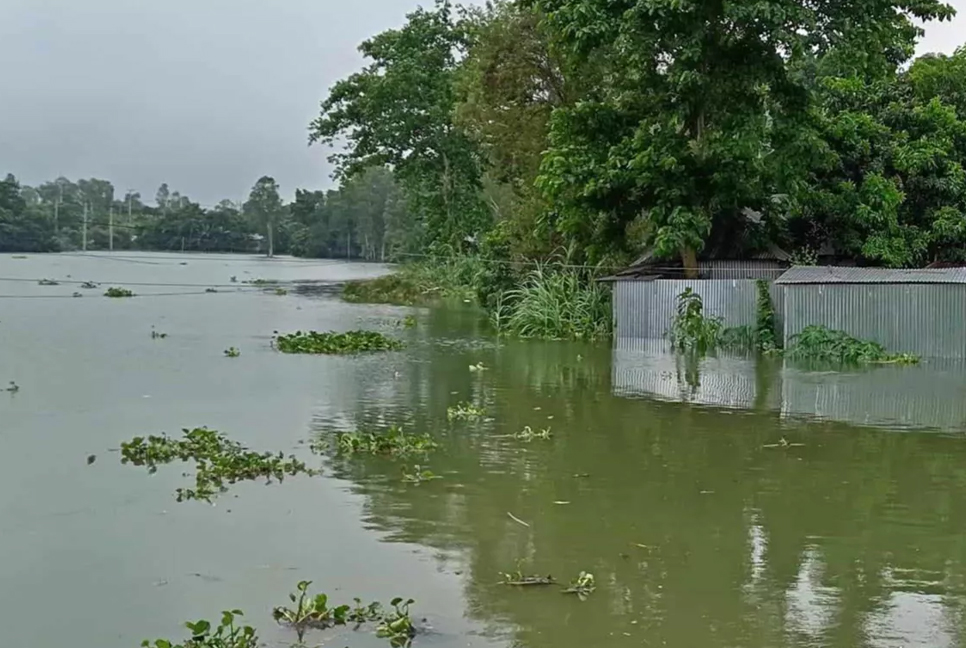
(219, 461)
(556, 305)
(691, 329)
(332, 343)
(824, 344)
(425, 282)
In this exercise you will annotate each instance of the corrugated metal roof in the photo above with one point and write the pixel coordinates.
(837, 274)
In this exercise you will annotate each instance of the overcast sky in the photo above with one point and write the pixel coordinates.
(206, 95)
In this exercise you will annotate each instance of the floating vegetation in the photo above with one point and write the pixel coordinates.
(332, 343)
(582, 586)
(13, 387)
(18, 256)
(77, 294)
(219, 461)
(393, 442)
(90, 285)
(262, 282)
(477, 367)
(464, 412)
(783, 443)
(310, 612)
(232, 352)
(418, 475)
(225, 635)
(409, 321)
(828, 345)
(527, 434)
(118, 292)
(210, 290)
(281, 292)
(519, 579)
(48, 282)
(157, 335)
(397, 626)
(233, 279)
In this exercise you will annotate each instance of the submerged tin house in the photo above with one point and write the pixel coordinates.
(906, 311)
(646, 294)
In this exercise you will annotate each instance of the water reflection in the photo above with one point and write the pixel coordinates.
(699, 529)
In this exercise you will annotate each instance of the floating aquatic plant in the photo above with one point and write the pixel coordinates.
(527, 434)
(232, 352)
(219, 461)
(332, 343)
(281, 292)
(225, 635)
(48, 282)
(418, 475)
(582, 586)
(157, 335)
(397, 626)
(310, 612)
(393, 442)
(464, 412)
(118, 292)
(519, 579)
(90, 285)
(823, 344)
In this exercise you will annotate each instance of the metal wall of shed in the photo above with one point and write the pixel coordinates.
(925, 319)
(645, 309)
(755, 269)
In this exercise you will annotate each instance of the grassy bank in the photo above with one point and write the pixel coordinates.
(538, 302)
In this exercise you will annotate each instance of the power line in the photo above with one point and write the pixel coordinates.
(239, 286)
(170, 294)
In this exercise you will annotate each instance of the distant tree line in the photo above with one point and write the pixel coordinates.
(365, 218)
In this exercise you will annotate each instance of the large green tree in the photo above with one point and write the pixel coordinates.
(696, 122)
(264, 207)
(399, 111)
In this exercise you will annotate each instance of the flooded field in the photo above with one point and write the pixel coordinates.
(730, 503)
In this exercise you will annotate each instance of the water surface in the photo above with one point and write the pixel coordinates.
(661, 477)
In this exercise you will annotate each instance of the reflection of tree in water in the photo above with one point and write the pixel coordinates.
(697, 535)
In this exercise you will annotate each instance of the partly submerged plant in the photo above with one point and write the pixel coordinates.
(527, 434)
(823, 344)
(397, 626)
(219, 461)
(582, 586)
(157, 335)
(48, 282)
(691, 329)
(310, 612)
(519, 579)
(393, 442)
(232, 352)
(464, 412)
(225, 635)
(89, 285)
(281, 292)
(418, 475)
(336, 343)
(118, 292)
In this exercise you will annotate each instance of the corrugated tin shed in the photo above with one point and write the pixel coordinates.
(840, 275)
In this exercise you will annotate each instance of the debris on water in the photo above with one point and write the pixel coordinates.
(518, 520)
(13, 388)
(77, 294)
(706, 492)
(561, 502)
(91, 459)
(581, 475)
(783, 443)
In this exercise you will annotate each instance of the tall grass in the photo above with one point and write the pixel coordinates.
(419, 283)
(555, 305)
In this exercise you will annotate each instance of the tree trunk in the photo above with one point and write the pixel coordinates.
(271, 240)
(689, 259)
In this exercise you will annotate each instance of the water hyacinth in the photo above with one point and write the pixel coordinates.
(332, 343)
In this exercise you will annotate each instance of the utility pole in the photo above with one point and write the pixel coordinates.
(110, 230)
(57, 208)
(84, 239)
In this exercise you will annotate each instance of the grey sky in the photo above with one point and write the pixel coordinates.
(206, 95)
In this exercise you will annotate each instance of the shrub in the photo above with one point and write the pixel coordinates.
(556, 305)
(821, 343)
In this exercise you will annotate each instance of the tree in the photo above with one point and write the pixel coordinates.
(399, 112)
(696, 121)
(163, 197)
(22, 229)
(264, 207)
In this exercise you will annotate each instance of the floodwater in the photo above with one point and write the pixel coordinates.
(731, 503)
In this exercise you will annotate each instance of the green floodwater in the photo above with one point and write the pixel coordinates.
(658, 478)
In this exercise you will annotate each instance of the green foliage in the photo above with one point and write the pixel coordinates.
(218, 460)
(264, 208)
(331, 343)
(310, 612)
(225, 635)
(527, 434)
(556, 305)
(418, 284)
(397, 626)
(118, 293)
(519, 579)
(823, 344)
(691, 329)
(464, 412)
(394, 442)
(583, 586)
(232, 352)
(766, 337)
(418, 475)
